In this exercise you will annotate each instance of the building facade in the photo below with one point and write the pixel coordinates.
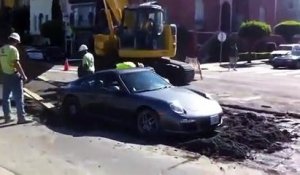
(227, 15)
(40, 12)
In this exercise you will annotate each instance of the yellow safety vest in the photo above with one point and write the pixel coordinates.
(125, 65)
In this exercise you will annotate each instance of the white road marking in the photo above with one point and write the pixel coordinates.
(251, 98)
(61, 71)
(43, 78)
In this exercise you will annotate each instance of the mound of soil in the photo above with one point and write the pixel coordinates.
(241, 134)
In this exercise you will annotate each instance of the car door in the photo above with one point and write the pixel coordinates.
(118, 98)
(89, 96)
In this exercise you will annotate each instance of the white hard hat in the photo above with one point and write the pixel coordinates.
(15, 36)
(83, 48)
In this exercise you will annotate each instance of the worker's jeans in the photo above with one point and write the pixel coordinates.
(13, 84)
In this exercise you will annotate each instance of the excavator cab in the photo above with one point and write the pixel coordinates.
(143, 33)
(142, 27)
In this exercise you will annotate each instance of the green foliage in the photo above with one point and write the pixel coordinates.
(254, 30)
(254, 55)
(54, 30)
(287, 29)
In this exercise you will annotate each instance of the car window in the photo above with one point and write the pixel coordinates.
(284, 48)
(104, 81)
(87, 82)
(143, 81)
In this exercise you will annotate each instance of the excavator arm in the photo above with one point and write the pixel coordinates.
(113, 11)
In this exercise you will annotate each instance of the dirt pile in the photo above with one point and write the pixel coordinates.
(240, 135)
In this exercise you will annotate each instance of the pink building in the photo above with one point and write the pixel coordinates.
(227, 15)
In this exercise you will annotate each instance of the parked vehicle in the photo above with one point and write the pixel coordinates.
(49, 54)
(283, 49)
(291, 60)
(34, 53)
(142, 98)
(54, 53)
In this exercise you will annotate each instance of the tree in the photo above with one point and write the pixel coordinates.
(253, 31)
(287, 29)
(56, 11)
(54, 31)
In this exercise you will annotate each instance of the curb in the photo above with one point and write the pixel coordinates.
(4, 171)
(292, 114)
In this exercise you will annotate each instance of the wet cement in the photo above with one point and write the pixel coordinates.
(242, 135)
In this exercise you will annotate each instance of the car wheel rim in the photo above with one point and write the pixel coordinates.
(148, 123)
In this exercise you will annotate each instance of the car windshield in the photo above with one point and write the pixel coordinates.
(284, 48)
(144, 81)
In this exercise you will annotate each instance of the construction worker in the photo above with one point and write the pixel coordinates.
(233, 56)
(87, 66)
(13, 78)
(125, 65)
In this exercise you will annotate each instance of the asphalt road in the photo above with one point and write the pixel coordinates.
(256, 85)
(59, 151)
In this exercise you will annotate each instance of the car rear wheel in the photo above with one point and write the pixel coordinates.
(148, 123)
(71, 108)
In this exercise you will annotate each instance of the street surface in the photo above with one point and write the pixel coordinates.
(255, 85)
(59, 150)
(35, 149)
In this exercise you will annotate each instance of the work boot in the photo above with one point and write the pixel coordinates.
(8, 119)
(24, 120)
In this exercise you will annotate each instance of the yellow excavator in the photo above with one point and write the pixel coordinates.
(138, 33)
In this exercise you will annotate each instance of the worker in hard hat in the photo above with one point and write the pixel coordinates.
(87, 66)
(13, 78)
(125, 65)
(128, 65)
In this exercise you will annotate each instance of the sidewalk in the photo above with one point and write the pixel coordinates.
(224, 65)
(4, 171)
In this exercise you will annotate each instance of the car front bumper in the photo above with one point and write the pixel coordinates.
(283, 63)
(190, 125)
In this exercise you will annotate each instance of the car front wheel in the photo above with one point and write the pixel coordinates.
(148, 123)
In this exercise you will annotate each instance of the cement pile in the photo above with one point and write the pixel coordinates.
(241, 134)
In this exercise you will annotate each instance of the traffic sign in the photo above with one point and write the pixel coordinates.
(222, 37)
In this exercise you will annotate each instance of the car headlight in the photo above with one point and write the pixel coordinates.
(177, 107)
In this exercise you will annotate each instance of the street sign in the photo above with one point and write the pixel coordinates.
(222, 37)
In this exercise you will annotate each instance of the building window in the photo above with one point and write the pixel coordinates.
(82, 15)
(262, 14)
(199, 14)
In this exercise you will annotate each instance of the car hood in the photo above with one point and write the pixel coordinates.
(194, 104)
(280, 52)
